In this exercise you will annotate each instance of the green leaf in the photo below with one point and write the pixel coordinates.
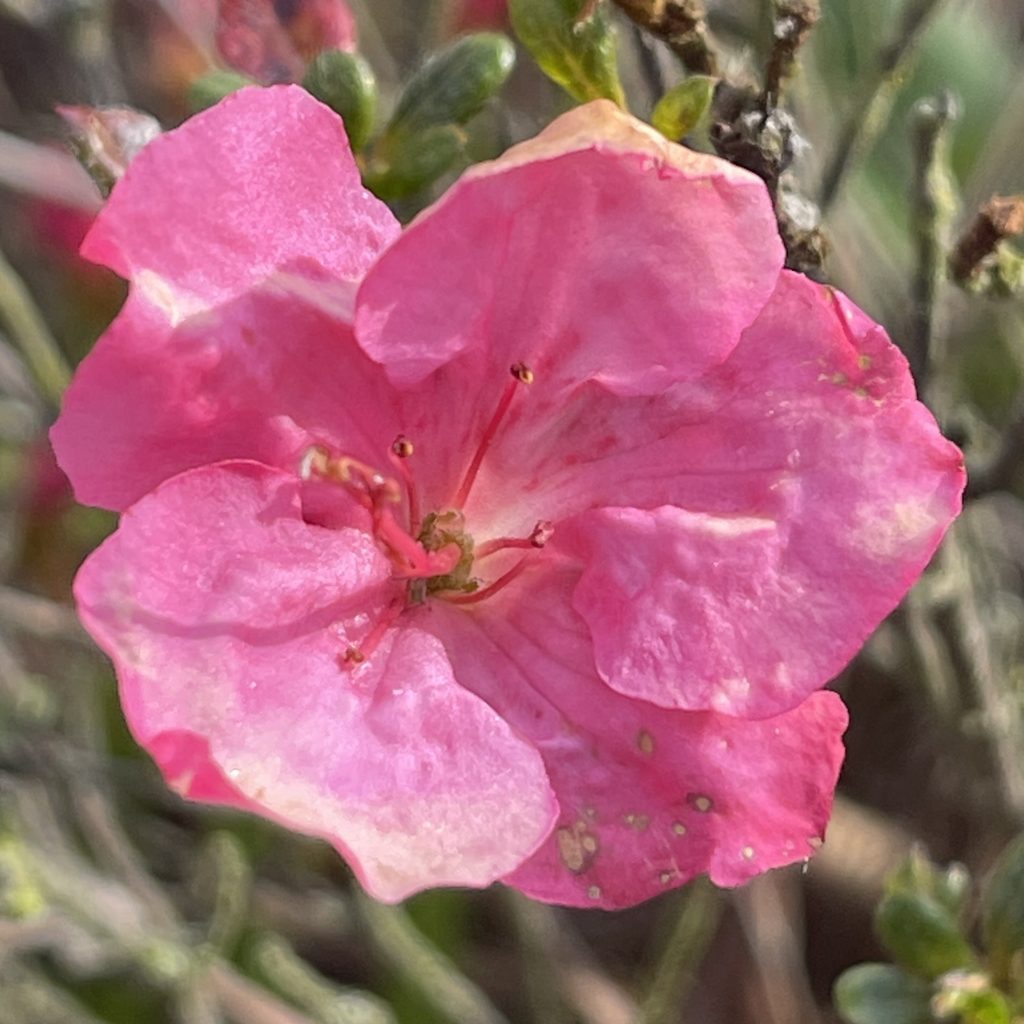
(346, 83)
(454, 84)
(213, 87)
(574, 43)
(921, 934)
(1002, 911)
(684, 106)
(881, 994)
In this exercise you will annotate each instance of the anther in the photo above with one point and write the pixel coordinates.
(522, 373)
(542, 533)
(539, 536)
(401, 451)
(402, 447)
(354, 655)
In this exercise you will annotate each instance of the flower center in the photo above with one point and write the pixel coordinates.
(434, 555)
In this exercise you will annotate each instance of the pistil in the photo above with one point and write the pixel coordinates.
(491, 589)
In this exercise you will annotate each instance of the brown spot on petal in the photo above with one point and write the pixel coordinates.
(576, 847)
(700, 802)
(645, 741)
(637, 821)
(679, 828)
(594, 892)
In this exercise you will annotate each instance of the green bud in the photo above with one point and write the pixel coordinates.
(347, 84)
(574, 43)
(921, 934)
(881, 994)
(949, 886)
(454, 84)
(211, 88)
(413, 161)
(684, 107)
(1002, 911)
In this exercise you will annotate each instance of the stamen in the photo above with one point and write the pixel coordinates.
(354, 655)
(499, 584)
(401, 451)
(521, 374)
(377, 493)
(539, 536)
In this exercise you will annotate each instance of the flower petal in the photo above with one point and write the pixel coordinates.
(597, 250)
(811, 498)
(649, 797)
(262, 376)
(260, 181)
(227, 616)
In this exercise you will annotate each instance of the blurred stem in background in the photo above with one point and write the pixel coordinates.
(29, 331)
(871, 114)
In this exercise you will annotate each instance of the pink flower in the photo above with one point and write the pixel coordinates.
(274, 40)
(562, 626)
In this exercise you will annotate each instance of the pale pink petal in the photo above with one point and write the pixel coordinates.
(228, 617)
(596, 251)
(809, 498)
(261, 181)
(649, 798)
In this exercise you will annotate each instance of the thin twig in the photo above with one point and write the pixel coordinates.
(1002, 470)
(40, 617)
(537, 930)
(770, 910)
(682, 24)
(437, 979)
(933, 206)
(791, 25)
(46, 173)
(676, 972)
(245, 1002)
(329, 1003)
(28, 330)
(868, 120)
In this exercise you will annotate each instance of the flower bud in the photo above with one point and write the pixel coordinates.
(106, 139)
(454, 84)
(681, 110)
(574, 44)
(211, 88)
(347, 84)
